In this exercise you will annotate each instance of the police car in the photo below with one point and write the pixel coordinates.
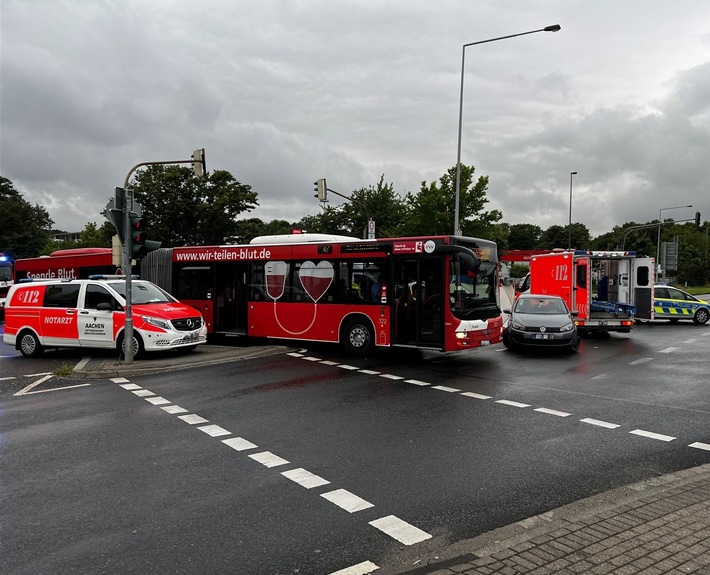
(90, 313)
(674, 304)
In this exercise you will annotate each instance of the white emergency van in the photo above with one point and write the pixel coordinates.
(91, 314)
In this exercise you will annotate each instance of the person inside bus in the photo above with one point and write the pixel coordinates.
(376, 289)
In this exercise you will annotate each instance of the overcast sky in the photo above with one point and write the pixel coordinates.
(281, 93)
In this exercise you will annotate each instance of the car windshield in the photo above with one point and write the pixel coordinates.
(143, 292)
(540, 306)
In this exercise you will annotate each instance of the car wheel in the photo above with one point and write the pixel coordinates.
(28, 344)
(574, 348)
(506, 340)
(138, 347)
(701, 316)
(358, 338)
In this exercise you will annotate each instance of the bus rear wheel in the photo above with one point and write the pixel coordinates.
(358, 337)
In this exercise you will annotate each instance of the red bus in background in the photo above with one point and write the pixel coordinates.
(438, 292)
(78, 263)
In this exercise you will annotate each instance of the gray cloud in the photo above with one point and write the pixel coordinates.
(281, 93)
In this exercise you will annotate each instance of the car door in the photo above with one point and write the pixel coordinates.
(96, 325)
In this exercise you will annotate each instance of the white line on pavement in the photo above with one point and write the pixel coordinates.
(699, 445)
(157, 400)
(174, 409)
(475, 395)
(416, 382)
(390, 376)
(268, 459)
(193, 419)
(641, 360)
(130, 386)
(360, 569)
(512, 403)
(447, 389)
(652, 435)
(669, 350)
(143, 392)
(305, 478)
(599, 423)
(553, 412)
(400, 530)
(239, 443)
(33, 385)
(119, 380)
(214, 430)
(346, 500)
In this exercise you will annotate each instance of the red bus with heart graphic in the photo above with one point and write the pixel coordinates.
(434, 292)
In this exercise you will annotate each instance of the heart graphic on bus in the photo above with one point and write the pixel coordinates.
(316, 279)
(276, 273)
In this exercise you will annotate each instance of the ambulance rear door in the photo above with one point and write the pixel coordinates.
(643, 273)
(581, 288)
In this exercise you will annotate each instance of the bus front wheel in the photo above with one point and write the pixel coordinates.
(358, 337)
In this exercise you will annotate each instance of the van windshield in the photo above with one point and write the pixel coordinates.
(143, 292)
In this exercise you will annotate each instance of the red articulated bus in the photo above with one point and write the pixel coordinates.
(437, 292)
(70, 264)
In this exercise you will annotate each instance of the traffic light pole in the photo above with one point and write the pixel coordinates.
(198, 157)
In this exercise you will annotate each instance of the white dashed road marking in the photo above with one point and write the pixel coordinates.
(553, 412)
(192, 419)
(130, 386)
(400, 530)
(157, 400)
(699, 445)
(476, 395)
(173, 409)
(390, 376)
(268, 459)
(360, 569)
(305, 478)
(511, 403)
(669, 350)
(598, 423)
(652, 435)
(641, 360)
(416, 382)
(239, 443)
(214, 430)
(444, 388)
(346, 500)
(143, 393)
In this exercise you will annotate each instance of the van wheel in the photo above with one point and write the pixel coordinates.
(701, 316)
(138, 347)
(29, 345)
(358, 338)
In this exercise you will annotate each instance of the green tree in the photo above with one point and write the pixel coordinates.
(432, 209)
(381, 203)
(25, 228)
(524, 236)
(183, 209)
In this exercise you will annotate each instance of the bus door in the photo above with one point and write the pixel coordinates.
(195, 287)
(418, 309)
(231, 299)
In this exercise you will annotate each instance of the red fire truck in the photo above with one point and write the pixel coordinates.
(609, 289)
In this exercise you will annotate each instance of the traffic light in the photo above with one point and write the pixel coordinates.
(114, 211)
(140, 244)
(697, 219)
(321, 190)
(198, 162)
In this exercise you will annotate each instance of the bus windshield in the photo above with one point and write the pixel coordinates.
(5, 273)
(473, 294)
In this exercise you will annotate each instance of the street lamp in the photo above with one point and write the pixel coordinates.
(658, 244)
(555, 28)
(569, 225)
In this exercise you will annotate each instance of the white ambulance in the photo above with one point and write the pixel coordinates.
(90, 313)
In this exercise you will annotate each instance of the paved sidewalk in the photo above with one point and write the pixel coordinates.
(658, 526)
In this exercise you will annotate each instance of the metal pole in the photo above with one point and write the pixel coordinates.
(569, 225)
(658, 243)
(457, 226)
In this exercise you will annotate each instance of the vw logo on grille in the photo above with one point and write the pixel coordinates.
(189, 323)
(543, 328)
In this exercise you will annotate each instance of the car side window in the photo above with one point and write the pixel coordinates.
(675, 294)
(61, 295)
(662, 293)
(96, 294)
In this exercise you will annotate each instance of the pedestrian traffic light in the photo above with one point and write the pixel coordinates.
(114, 212)
(697, 219)
(140, 244)
(198, 162)
(321, 190)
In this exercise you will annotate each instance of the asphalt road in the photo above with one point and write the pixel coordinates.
(332, 463)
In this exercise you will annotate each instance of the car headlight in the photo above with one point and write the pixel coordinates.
(567, 327)
(517, 325)
(157, 322)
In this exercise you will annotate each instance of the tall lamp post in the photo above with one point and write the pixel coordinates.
(658, 244)
(555, 28)
(569, 225)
